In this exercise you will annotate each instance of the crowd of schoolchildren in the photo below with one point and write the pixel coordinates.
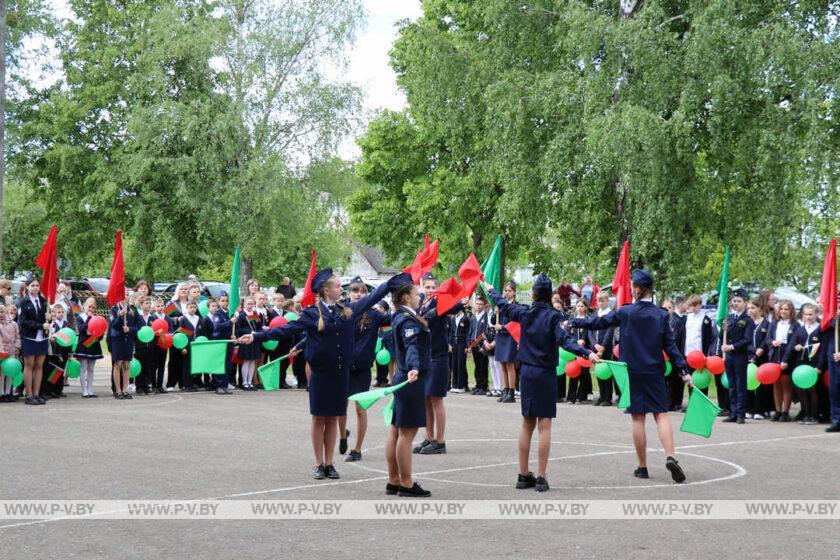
(28, 325)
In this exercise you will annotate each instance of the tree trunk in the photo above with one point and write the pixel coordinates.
(3, 120)
(245, 271)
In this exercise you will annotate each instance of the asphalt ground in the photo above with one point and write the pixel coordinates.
(188, 446)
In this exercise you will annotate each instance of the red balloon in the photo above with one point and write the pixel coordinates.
(768, 373)
(165, 340)
(615, 350)
(664, 355)
(583, 362)
(278, 322)
(160, 326)
(573, 369)
(825, 378)
(696, 359)
(235, 357)
(715, 365)
(97, 326)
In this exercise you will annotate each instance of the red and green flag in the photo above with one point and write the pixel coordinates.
(55, 375)
(170, 309)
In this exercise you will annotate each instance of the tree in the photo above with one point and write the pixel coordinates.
(681, 125)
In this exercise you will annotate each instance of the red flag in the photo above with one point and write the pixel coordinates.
(116, 286)
(448, 294)
(515, 330)
(828, 289)
(470, 274)
(424, 261)
(46, 261)
(621, 280)
(308, 295)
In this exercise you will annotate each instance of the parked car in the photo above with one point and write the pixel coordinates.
(345, 284)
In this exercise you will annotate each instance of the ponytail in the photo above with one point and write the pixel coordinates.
(321, 325)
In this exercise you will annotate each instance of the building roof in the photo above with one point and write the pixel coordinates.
(376, 258)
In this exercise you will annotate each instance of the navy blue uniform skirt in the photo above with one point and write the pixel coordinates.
(30, 347)
(505, 348)
(359, 381)
(409, 402)
(328, 392)
(538, 391)
(248, 352)
(122, 348)
(437, 379)
(648, 393)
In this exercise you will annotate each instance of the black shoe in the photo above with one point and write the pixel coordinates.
(418, 448)
(776, 416)
(413, 492)
(391, 489)
(676, 471)
(833, 429)
(503, 396)
(319, 473)
(41, 398)
(354, 456)
(331, 472)
(480, 392)
(524, 481)
(119, 396)
(434, 448)
(31, 400)
(597, 403)
(127, 396)
(161, 391)
(227, 391)
(93, 396)
(342, 443)
(641, 472)
(740, 420)
(85, 396)
(730, 419)
(220, 391)
(785, 417)
(541, 484)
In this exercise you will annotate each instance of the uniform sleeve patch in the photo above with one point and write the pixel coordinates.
(409, 333)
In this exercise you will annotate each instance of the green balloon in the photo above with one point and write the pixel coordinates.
(805, 376)
(752, 381)
(290, 316)
(17, 380)
(701, 378)
(378, 346)
(561, 367)
(566, 356)
(66, 337)
(201, 339)
(383, 357)
(180, 341)
(270, 344)
(668, 368)
(11, 367)
(146, 334)
(135, 368)
(602, 371)
(724, 379)
(202, 308)
(73, 369)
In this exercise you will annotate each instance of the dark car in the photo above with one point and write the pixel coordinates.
(208, 289)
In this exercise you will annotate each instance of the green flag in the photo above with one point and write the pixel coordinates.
(492, 267)
(208, 357)
(699, 415)
(723, 290)
(270, 375)
(622, 379)
(366, 399)
(388, 412)
(233, 296)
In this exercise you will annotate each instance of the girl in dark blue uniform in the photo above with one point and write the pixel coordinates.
(506, 347)
(413, 353)
(436, 381)
(538, 357)
(34, 320)
(330, 335)
(122, 330)
(367, 333)
(645, 333)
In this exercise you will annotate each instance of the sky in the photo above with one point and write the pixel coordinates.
(368, 57)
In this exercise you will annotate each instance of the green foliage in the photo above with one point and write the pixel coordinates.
(684, 127)
(24, 220)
